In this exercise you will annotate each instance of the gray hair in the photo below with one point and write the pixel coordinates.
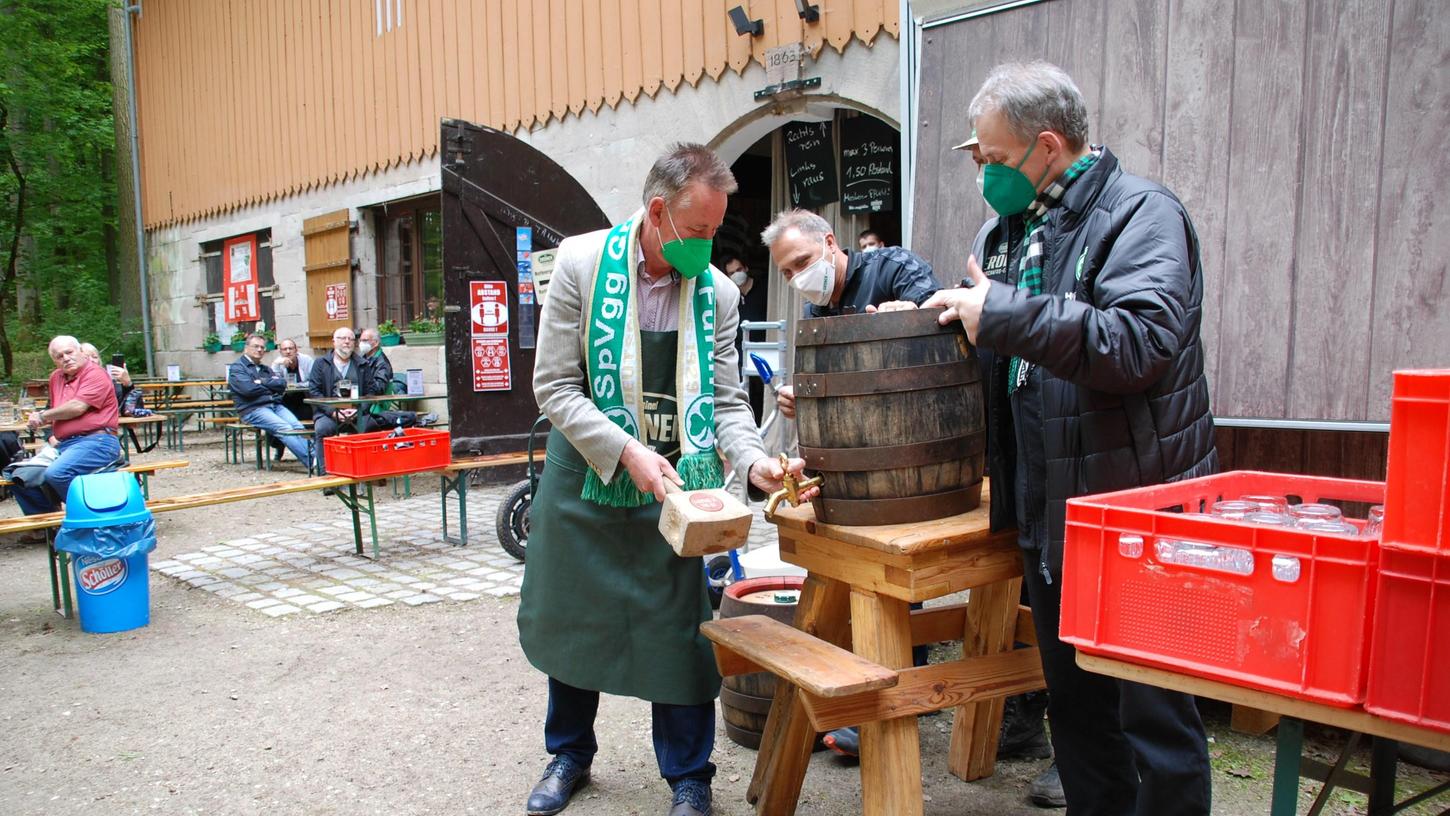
(685, 164)
(62, 340)
(1033, 97)
(809, 224)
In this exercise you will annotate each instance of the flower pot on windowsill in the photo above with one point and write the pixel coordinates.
(390, 339)
(271, 345)
(212, 348)
(239, 346)
(425, 338)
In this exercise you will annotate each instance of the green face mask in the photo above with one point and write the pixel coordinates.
(1006, 189)
(689, 256)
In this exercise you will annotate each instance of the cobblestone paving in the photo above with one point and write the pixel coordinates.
(311, 567)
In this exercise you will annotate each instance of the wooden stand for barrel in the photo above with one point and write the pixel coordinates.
(889, 410)
(745, 699)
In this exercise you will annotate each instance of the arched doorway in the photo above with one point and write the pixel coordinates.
(854, 149)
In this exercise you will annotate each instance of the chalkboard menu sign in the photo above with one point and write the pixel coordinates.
(868, 164)
(811, 163)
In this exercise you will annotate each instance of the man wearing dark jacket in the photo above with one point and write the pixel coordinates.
(332, 374)
(835, 281)
(1097, 384)
(257, 391)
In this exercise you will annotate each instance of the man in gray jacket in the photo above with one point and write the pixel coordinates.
(638, 374)
(1089, 327)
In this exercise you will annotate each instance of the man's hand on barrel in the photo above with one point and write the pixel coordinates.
(891, 306)
(785, 401)
(648, 469)
(766, 474)
(963, 304)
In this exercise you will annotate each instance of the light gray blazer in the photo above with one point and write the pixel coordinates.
(559, 368)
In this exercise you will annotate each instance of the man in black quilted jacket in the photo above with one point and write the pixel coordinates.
(1089, 329)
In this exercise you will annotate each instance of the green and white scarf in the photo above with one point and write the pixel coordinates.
(1029, 270)
(614, 367)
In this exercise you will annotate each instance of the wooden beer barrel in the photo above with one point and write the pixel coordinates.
(889, 410)
(745, 699)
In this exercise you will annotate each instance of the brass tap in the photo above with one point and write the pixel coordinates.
(791, 488)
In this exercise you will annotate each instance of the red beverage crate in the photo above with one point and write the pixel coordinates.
(372, 455)
(1417, 492)
(1409, 665)
(1272, 608)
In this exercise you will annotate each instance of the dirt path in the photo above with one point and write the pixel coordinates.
(215, 708)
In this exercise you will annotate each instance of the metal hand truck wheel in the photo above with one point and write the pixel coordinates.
(512, 521)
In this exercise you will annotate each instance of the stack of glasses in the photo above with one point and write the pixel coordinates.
(1278, 512)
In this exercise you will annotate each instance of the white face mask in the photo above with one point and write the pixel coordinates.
(365, 347)
(817, 282)
(740, 276)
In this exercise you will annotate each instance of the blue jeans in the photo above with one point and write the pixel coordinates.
(79, 455)
(684, 735)
(272, 418)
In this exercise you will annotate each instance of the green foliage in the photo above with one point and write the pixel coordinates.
(57, 176)
(426, 325)
(240, 335)
(211, 340)
(387, 327)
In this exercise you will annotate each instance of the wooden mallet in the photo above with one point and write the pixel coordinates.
(702, 522)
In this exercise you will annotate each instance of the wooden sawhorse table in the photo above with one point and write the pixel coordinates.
(857, 596)
(1289, 760)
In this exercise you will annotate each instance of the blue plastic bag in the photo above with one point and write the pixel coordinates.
(114, 541)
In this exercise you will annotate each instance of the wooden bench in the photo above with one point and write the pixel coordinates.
(454, 479)
(754, 643)
(59, 580)
(143, 472)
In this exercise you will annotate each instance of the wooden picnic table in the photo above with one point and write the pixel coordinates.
(860, 583)
(1289, 760)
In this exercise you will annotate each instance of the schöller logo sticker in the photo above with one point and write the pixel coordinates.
(98, 576)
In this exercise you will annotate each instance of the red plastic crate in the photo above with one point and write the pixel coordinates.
(370, 455)
(1125, 595)
(1417, 491)
(1409, 668)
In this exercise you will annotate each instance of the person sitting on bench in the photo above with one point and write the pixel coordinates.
(257, 391)
(85, 419)
(330, 375)
(294, 367)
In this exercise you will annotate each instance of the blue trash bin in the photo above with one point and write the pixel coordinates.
(108, 531)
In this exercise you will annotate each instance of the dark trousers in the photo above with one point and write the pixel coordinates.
(1122, 748)
(324, 426)
(684, 735)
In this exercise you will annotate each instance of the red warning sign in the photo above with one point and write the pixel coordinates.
(491, 364)
(488, 303)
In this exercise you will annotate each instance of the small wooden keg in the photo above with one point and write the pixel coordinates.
(889, 409)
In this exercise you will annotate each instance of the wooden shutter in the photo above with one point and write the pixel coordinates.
(327, 253)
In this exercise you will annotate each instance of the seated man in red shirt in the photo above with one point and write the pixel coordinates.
(84, 418)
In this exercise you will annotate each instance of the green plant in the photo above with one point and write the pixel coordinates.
(239, 336)
(270, 334)
(426, 325)
(387, 327)
(212, 340)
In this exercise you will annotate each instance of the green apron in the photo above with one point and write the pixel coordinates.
(606, 604)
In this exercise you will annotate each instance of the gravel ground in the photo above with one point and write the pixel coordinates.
(216, 708)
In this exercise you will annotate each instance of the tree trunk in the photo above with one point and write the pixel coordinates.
(12, 260)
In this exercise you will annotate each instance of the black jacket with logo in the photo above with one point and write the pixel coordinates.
(1118, 397)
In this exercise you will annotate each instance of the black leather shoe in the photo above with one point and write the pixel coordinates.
(561, 779)
(1046, 790)
(1023, 734)
(692, 798)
